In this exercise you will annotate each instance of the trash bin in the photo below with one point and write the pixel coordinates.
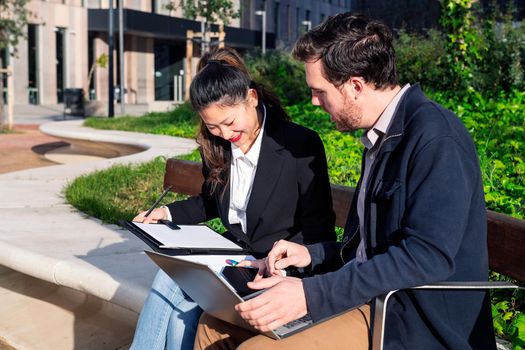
(74, 102)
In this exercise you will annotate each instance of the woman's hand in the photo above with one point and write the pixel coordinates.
(156, 214)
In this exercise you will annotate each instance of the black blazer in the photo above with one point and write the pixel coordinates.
(290, 198)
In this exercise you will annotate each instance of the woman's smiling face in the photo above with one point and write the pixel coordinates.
(238, 124)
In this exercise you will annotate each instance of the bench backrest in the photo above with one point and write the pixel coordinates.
(506, 235)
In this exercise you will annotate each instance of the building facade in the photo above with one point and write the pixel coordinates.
(53, 55)
(66, 37)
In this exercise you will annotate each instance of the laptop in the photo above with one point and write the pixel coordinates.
(217, 295)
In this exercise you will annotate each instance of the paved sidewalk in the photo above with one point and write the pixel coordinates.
(44, 237)
(40, 114)
(25, 148)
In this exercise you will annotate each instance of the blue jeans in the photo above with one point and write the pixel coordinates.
(168, 318)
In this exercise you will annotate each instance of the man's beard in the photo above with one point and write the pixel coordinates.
(349, 118)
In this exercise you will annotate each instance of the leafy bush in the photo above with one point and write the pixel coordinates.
(280, 72)
(507, 313)
(418, 59)
(461, 44)
(343, 150)
(475, 51)
(502, 52)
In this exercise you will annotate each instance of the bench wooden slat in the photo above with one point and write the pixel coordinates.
(185, 176)
(506, 235)
(341, 200)
(506, 244)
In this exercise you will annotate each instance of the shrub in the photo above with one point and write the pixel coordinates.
(502, 52)
(281, 73)
(343, 150)
(418, 59)
(461, 44)
(507, 312)
(474, 52)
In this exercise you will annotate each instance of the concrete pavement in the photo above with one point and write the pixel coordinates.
(24, 148)
(44, 237)
(40, 114)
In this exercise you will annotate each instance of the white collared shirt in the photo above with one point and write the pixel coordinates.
(242, 173)
(370, 141)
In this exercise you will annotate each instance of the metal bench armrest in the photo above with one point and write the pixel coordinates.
(381, 303)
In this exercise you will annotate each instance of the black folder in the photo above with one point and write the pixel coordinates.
(157, 245)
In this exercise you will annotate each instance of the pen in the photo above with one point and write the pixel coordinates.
(231, 262)
(158, 200)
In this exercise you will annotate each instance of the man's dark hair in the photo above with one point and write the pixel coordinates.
(351, 45)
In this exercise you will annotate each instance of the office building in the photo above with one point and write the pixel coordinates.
(66, 37)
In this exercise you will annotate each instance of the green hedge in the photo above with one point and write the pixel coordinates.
(280, 72)
(495, 123)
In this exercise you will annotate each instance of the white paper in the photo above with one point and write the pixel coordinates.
(189, 236)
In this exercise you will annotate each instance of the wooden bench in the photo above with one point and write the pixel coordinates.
(506, 235)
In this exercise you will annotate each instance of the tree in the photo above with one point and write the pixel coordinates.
(13, 24)
(102, 62)
(212, 11)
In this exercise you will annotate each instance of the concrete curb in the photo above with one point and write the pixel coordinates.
(43, 236)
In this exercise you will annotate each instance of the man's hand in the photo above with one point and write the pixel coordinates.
(283, 302)
(284, 254)
(260, 264)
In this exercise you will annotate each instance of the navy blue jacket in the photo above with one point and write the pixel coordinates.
(425, 222)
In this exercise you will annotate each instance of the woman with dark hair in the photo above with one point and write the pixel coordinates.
(265, 177)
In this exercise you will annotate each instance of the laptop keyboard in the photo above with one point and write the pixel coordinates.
(293, 326)
(306, 319)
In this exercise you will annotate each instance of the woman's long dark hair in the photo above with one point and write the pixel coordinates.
(223, 79)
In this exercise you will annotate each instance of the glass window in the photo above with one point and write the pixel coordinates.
(153, 6)
(59, 52)
(169, 57)
(4, 62)
(91, 61)
(277, 22)
(288, 19)
(32, 63)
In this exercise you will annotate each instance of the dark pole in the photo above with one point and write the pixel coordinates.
(111, 87)
(121, 55)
